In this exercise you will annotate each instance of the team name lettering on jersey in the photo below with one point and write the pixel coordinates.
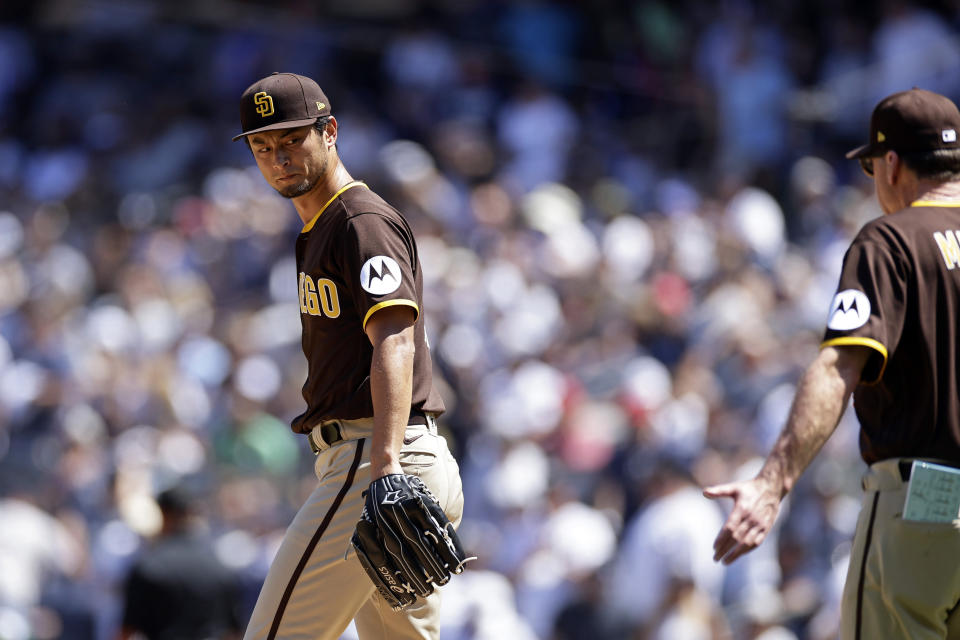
(949, 247)
(318, 298)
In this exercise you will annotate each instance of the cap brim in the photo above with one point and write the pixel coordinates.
(290, 124)
(862, 152)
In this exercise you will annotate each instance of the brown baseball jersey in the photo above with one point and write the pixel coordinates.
(898, 295)
(355, 257)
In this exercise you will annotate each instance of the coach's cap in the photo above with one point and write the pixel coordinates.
(281, 101)
(911, 121)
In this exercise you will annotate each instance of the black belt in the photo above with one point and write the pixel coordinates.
(906, 466)
(332, 433)
(417, 417)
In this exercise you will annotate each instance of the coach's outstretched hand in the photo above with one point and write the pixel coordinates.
(404, 541)
(756, 504)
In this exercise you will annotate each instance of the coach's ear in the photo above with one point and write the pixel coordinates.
(894, 167)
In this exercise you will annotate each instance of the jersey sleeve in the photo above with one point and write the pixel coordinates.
(868, 308)
(379, 262)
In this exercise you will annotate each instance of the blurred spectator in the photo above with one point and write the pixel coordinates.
(913, 46)
(744, 62)
(37, 551)
(537, 130)
(541, 37)
(668, 544)
(177, 589)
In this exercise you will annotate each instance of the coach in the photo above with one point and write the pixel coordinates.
(893, 341)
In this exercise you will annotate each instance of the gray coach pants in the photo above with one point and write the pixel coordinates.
(903, 582)
(311, 591)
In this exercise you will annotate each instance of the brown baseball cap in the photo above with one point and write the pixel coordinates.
(281, 101)
(911, 121)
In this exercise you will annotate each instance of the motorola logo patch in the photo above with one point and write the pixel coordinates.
(850, 309)
(380, 275)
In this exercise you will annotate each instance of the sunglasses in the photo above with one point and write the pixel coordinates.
(867, 165)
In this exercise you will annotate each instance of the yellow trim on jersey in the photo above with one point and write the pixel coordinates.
(933, 203)
(389, 303)
(313, 220)
(862, 342)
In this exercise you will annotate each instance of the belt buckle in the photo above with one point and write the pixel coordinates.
(318, 443)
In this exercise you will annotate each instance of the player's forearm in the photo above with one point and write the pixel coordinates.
(822, 395)
(391, 385)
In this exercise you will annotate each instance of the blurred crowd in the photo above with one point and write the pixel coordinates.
(630, 215)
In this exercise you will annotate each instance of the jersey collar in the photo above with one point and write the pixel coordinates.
(934, 203)
(313, 220)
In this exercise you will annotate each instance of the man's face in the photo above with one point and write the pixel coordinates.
(292, 161)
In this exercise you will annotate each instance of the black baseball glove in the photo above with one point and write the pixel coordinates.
(404, 541)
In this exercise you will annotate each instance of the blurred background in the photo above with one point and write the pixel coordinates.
(631, 217)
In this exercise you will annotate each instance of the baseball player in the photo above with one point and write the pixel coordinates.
(371, 406)
(893, 341)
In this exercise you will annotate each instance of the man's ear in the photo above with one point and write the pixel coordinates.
(894, 165)
(330, 132)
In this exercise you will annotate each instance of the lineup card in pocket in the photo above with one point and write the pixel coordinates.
(933, 494)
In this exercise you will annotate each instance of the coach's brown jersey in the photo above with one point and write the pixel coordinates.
(356, 256)
(899, 295)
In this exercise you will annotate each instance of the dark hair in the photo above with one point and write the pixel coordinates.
(940, 165)
(177, 500)
(321, 123)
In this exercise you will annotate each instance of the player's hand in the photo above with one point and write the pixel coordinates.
(756, 504)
